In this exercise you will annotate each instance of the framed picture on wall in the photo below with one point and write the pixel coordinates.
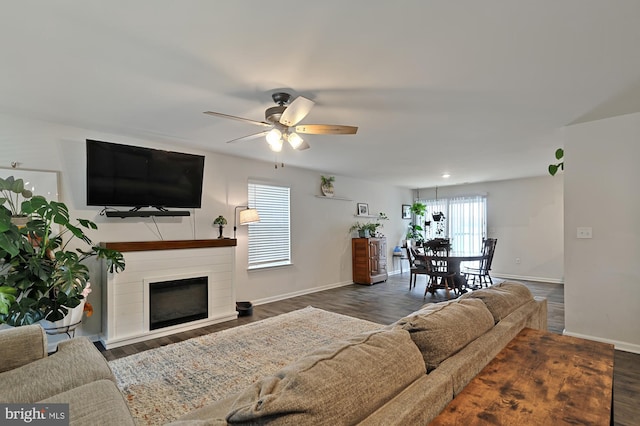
(363, 209)
(406, 211)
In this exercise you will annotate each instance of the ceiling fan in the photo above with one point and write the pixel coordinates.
(282, 123)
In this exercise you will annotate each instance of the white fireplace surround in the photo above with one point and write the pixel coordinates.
(125, 295)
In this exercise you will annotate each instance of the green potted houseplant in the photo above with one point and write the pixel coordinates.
(221, 222)
(12, 190)
(326, 185)
(362, 228)
(418, 209)
(414, 233)
(369, 229)
(40, 278)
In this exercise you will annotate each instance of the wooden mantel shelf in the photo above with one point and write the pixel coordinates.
(125, 246)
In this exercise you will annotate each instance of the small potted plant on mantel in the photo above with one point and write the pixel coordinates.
(40, 278)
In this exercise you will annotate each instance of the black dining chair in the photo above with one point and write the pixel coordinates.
(441, 276)
(416, 267)
(484, 267)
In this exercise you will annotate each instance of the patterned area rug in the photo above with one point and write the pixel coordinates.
(163, 384)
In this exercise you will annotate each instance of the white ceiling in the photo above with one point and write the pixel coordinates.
(478, 89)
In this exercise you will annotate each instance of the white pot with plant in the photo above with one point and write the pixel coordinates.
(40, 278)
(11, 191)
(326, 185)
(73, 318)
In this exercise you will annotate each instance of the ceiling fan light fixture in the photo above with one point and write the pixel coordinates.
(295, 140)
(276, 146)
(282, 120)
(274, 136)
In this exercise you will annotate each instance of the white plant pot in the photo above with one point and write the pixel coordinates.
(66, 324)
(327, 190)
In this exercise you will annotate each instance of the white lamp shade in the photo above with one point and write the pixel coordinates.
(295, 140)
(274, 136)
(276, 146)
(249, 216)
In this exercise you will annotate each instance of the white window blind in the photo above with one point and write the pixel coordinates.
(466, 221)
(270, 239)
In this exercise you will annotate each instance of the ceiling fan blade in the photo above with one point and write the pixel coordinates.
(304, 145)
(249, 137)
(326, 129)
(296, 111)
(233, 117)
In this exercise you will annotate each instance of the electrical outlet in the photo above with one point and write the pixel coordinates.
(585, 232)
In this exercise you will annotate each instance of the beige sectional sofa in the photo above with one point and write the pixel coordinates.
(404, 373)
(76, 374)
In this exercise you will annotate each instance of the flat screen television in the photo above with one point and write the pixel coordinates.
(124, 175)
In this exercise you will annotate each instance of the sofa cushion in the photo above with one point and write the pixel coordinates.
(21, 345)
(76, 363)
(443, 329)
(502, 299)
(341, 383)
(95, 403)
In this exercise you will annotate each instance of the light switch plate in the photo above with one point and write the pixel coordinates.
(585, 232)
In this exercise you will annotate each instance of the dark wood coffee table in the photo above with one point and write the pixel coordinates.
(539, 378)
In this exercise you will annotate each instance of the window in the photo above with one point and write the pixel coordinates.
(465, 224)
(270, 239)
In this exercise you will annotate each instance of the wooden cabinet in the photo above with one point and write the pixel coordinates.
(369, 259)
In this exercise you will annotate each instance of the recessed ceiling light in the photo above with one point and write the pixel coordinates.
(446, 175)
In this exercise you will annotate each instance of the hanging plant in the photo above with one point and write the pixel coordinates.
(553, 168)
(418, 209)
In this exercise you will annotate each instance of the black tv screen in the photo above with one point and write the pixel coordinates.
(124, 175)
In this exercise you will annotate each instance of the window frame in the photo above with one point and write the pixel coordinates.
(273, 232)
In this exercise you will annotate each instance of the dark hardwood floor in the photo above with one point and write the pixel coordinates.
(386, 302)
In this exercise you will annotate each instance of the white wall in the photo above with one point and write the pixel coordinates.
(526, 216)
(602, 274)
(321, 244)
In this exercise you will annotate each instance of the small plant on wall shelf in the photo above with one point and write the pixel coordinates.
(369, 229)
(326, 185)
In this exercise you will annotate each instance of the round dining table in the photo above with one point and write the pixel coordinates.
(453, 260)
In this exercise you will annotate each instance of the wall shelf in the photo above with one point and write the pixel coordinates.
(333, 198)
(365, 216)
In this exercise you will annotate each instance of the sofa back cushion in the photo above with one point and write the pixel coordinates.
(502, 299)
(441, 330)
(341, 383)
(21, 345)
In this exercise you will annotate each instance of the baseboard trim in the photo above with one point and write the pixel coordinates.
(527, 278)
(299, 293)
(621, 346)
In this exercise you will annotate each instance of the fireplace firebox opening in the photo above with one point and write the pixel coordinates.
(177, 302)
